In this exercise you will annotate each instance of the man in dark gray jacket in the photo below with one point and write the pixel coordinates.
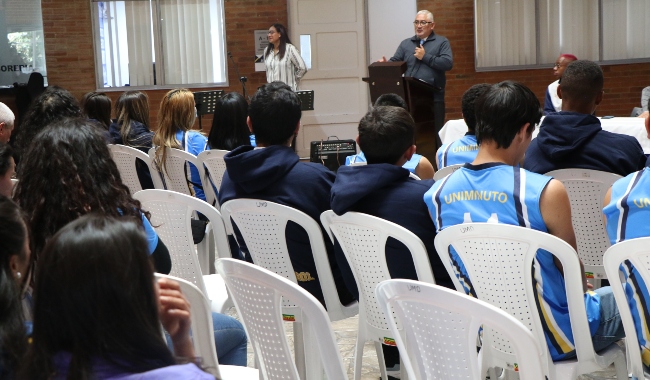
(427, 57)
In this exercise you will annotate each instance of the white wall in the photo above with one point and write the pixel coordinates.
(389, 23)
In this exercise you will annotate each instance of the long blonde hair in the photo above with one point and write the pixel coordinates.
(177, 112)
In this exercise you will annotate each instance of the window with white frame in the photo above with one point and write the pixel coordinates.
(159, 43)
(516, 33)
(22, 50)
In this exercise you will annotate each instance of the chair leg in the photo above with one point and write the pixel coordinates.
(314, 368)
(358, 355)
(620, 364)
(382, 362)
(299, 349)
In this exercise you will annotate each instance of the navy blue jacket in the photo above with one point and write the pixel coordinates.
(387, 192)
(436, 60)
(575, 140)
(276, 174)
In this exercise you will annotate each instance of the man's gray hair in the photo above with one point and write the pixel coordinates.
(6, 115)
(428, 14)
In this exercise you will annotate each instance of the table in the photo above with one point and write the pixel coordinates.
(631, 126)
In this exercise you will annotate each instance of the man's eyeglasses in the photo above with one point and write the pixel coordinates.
(557, 66)
(421, 23)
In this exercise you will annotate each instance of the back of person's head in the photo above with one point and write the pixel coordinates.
(52, 105)
(69, 172)
(7, 167)
(391, 99)
(131, 106)
(468, 101)
(13, 248)
(385, 133)
(97, 106)
(502, 110)
(94, 299)
(582, 82)
(229, 128)
(275, 113)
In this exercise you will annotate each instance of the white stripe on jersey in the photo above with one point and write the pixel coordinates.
(522, 196)
(619, 206)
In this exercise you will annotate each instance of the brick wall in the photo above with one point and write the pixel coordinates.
(70, 57)
(455, 20)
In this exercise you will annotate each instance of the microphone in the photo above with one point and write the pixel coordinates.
(242, 79)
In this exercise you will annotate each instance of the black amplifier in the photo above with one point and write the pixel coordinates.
(332, 153)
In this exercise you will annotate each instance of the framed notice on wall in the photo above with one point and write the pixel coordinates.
(261, 41)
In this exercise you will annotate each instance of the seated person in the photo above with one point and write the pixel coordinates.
(7, 121)
(463, 150)
(506, 116)
(418, 164)
(229, 128)
(384, 189)
(626, 217)
(104, 321)
(96, 106)
(15, 269)
(7, 169)
(552, 102)
(574, 138)
(273, 172)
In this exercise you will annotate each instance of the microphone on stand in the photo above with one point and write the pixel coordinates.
(242, 79)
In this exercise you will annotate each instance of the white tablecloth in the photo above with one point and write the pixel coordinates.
(631, 126)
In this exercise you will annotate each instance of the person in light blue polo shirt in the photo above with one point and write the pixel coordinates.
(494, 189)
(463, 150)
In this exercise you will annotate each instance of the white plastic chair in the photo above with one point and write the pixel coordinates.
(214, 163)
(498, 259)
(440, 328)
(363, 240)
(262, 225)
(176, 172)
(170, 216)
(203, 335)
(257, 294)
(125, 158)
(637, 251)
(586, 190)
(447, 170)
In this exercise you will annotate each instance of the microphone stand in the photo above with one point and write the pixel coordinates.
(242, 79)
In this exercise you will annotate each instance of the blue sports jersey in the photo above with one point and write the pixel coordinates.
(627, 218)
(194, 143)
(461, 151)
(410, 165)
(500, 193)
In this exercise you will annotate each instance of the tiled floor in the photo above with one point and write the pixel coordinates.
(346, 334)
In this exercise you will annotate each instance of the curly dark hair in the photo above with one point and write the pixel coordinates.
(52, 105)
(66, 173)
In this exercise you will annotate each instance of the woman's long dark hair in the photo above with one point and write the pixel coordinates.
(133, 106)
(97, 106)
(95, 300)
(68, 172)
(13, 233)
(229, 128)
(284, 40)
(52, 105)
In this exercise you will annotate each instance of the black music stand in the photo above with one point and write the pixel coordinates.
(206, 101)
(306, 100)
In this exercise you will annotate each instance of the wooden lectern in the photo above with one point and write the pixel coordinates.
(387, 77)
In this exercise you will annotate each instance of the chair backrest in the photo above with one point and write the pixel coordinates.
(363, 240)
(262, 225)
(498, 259)
(635, 252)
(214, 163)
(202, 329)
(125, 158)
(587, 190)
(441, 326)
(447, 170)
(171, 213)
(257, 294)
(176, 171)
